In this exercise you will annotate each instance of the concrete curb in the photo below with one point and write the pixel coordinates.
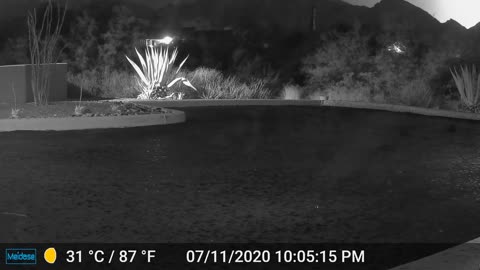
(326, 103)
(404, 109)
(81, 123)
(461, 257)
(225, 102)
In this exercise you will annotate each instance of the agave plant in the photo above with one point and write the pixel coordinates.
(154, 74)
(468, 85)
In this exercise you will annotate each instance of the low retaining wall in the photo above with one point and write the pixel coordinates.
(224, 102)
(20, 76)
(81, 123)
(326, 103)
(403, 109)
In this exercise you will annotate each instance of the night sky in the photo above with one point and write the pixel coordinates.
(465, 12)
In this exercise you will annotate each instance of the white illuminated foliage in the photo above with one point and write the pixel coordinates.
(154, 70)
(397, 48)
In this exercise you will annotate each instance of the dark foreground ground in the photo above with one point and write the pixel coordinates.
(282, 174)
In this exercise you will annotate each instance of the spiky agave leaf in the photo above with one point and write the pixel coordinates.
(468, 85)
(139, 71)
(184, 81)
(181, 64)
(150, 66)
(459, 82)
(174, 56)
(163, 65)
(189, 84)
(144, 66)
(145, 78)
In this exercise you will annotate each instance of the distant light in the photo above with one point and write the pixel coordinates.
(166, 40)
(397, 47)
(158, 42)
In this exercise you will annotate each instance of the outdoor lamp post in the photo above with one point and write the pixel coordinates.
(154, 43)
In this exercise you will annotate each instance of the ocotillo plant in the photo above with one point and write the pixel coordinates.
(43, 40)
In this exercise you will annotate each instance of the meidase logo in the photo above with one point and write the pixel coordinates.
(20, 256)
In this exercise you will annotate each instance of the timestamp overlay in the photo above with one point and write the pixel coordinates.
(213, 256)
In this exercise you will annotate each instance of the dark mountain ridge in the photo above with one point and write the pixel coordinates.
(395, 15)
(268, 14)
(273, 18)
(285, 17)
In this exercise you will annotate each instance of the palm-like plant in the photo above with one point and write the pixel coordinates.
(468, 85)
(154, 74)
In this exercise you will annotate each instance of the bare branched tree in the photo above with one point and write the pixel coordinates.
(43, 42)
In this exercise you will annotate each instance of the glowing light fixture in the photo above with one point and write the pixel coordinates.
(159, 42)
(397, 47)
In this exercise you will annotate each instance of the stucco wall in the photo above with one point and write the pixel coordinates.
(20, 76)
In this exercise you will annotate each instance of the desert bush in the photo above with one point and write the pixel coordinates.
(201, 78)
(346, 64)
(415, 93)
(124, 31)
(360, 94)
(88, 81)
(101, 36)
(119, 84)
(257, 89)
(105, 83)
(231, 88)
(349, 89)
(254, 68)
(343, 68)
(339, 55)
(291, 92)
(212, 84)
(81, 46)
(317, 95)
(203, 75)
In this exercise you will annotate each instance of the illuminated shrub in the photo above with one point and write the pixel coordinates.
(291, 92)
(155, 67)
(212, 84)
(347, 67)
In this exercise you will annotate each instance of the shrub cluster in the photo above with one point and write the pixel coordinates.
(348, 67)
(210, 84)
(105, 83)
